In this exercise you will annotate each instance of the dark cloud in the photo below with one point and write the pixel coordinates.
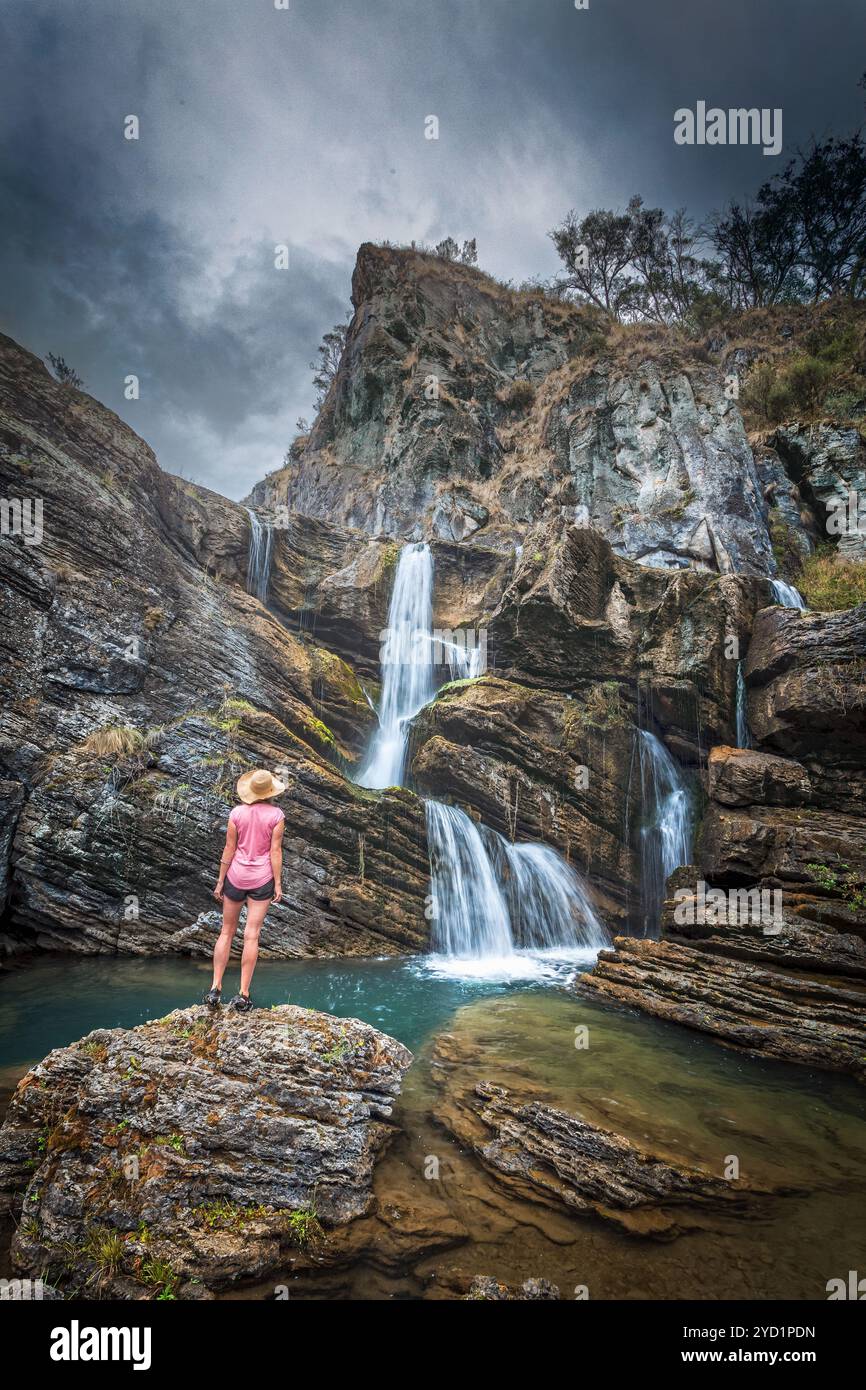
(261, 126)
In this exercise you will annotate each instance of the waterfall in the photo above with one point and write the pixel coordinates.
(492, 898)
(259, 562)
(470, 917)
(407, 667)
(786, 594)
(743, 738)
(666, 833)
(550, 907)
(463, 661)
(489, 897)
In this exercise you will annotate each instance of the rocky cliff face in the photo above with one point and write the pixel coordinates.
(594, 507)
(138, 680)
(777, 963)
(461, 409)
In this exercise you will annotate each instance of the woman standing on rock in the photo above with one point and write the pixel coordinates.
(250, 871)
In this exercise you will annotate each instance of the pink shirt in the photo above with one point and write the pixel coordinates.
(251, 865)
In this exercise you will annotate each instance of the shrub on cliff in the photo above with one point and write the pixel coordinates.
(66, 375)
(829, 584)
(518, 396)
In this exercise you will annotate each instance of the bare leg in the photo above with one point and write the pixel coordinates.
(255, 916)
(222, 949)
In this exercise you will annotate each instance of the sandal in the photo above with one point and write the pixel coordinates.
(213, 998)
(242, 1003)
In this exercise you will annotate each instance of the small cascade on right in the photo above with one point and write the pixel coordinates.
(259, 561)
(786, 594)
(743, 737)
(666, 834)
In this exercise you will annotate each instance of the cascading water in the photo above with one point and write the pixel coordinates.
(259, 562)
(743, 737)
(470, 918)
(786, 594)
(495, 903)
(667, 831)
(490, 897)
(407, 667)
(549, 905)
(464, 662)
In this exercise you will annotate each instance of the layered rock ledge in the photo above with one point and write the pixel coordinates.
(765, 1008)
(544, 1154)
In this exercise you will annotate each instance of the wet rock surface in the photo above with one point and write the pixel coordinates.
(806, 680)
(772, 1009)
(199, 1150)
(778, 968)
(487, 1289)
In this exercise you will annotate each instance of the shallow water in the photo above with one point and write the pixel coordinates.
(675, 1095)
(54, 1002)
(672, 1092)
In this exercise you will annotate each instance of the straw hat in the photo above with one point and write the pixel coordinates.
(258, 785)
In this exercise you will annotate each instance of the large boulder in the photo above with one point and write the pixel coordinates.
(198, 1150)
(745, 777)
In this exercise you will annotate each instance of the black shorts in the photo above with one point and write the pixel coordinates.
(258, 895)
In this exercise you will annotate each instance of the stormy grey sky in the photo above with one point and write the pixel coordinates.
(306, 126)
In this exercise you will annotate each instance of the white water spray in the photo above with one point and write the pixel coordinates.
(550, 907)
(261, 551)
(470, 918)
(407, 667)
(492, 902)
(786, 594)
(495, 903)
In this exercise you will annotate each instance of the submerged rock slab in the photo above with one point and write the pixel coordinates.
(201, 1147)
(485, 1289)
(545, 1154)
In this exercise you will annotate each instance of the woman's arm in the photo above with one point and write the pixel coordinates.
(277, 859)
(228, 853)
